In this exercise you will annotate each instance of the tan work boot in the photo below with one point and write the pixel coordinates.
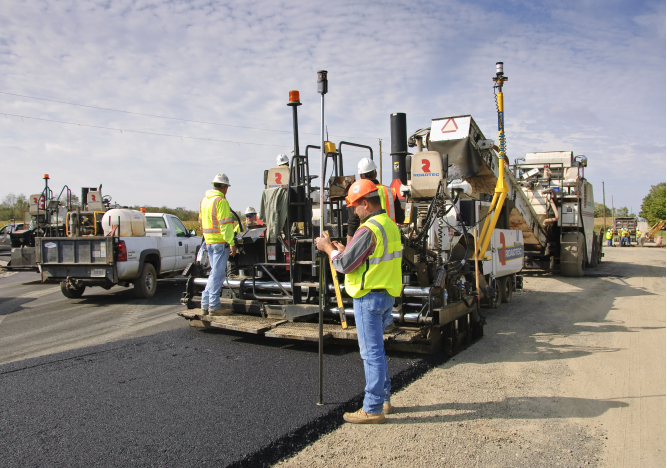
(390, 328)
(220, 311)
(202, 312)
(387, 408)
(362, 417)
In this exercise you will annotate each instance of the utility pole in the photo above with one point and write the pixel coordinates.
(380, 166)
(604, 208)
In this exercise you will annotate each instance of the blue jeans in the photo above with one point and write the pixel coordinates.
(608, 242)
(372, 313)
(217, 257)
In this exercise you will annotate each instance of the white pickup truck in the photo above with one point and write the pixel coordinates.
(77, 262)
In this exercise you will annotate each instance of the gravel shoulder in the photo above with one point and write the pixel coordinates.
(571, 373)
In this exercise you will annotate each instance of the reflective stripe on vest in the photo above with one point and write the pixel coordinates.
(382, 269)
(387, 201)
(209, 220)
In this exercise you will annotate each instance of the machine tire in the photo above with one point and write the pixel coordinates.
(71, 293)
(573, 266)
(596, 254)
(146, 284)
(507, 289)
(494, 301)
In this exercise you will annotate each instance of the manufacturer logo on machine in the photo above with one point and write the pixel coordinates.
(50, 245)
(279, 178)
(508, 253)
(426, 167)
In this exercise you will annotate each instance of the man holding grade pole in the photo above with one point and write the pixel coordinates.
(372, 266)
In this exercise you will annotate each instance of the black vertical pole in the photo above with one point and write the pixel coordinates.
(399, 150)
(322, 89)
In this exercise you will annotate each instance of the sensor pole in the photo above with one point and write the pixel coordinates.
(322, 88)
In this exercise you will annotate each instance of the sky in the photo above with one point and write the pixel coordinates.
(586, 76)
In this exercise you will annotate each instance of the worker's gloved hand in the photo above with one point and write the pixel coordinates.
(233, 251)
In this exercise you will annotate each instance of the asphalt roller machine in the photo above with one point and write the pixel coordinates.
(279, 284)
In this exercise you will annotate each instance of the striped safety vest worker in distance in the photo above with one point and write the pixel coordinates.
(609, 235)
(215, 217)
(387, 198)
(382, 269)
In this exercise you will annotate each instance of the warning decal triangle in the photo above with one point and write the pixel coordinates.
(450, 126)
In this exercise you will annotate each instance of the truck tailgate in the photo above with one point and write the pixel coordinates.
(77, 257)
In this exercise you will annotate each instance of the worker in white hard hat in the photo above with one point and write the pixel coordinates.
(282, 160)
(215, 217)
(251, 218)
(609, 235)
(390, 202)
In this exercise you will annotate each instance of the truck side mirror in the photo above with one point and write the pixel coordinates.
(193, 233)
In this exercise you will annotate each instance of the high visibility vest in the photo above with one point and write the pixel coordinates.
(215, 217)
(639, 233)
(609, 235)
(387, 197)
(382, 269)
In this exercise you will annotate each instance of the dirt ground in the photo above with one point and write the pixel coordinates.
(571, 373)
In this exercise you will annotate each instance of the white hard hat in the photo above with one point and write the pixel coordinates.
(250, 210)
(366, 165)
(221, 179)
(282, 159)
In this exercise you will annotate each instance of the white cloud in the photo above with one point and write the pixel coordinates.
(584, 76)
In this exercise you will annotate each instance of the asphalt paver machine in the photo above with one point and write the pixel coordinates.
(280, 284)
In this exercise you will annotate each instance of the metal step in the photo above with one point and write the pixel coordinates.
(301, 331)
(242, 323)
(309, 285)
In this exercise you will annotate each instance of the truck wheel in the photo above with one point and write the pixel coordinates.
(71, 293)
(507, 289)
(146, 284)
(572, 254)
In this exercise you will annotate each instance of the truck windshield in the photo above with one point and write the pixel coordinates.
(154, 222)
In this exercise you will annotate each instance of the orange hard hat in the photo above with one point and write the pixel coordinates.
(358, 190)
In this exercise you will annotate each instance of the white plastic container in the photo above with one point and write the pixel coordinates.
(132, 223)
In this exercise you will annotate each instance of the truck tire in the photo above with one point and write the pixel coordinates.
(146, 284)
(572, 257)
(507, 289)
(71, 293)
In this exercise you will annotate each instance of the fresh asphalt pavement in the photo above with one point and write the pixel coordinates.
(178, 397)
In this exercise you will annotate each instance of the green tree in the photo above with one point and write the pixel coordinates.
(600, 210)
(653, 205)
(622, 211)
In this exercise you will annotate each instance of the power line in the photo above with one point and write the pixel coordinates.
(121, 130)
(143, 132)
(168, 118)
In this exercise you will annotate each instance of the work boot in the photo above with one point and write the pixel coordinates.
(202, 312)
(389, 328)
(220, 311)
(362, 417)
(387, 408)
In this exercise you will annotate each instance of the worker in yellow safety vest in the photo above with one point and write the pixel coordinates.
(390, 201)
(639, 236)
(215, 217)
(609, 235)
(625, 237)
(371, 262)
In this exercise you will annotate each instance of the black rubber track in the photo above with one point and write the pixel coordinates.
(181, 398)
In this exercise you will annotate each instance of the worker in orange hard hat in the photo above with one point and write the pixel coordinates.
(371, 262)
(390, 201)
